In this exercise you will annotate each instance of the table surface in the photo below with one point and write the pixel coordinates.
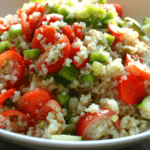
(140, 146)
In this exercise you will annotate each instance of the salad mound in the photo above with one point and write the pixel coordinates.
(74, 70)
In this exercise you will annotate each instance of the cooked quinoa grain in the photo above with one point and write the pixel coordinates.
(75, 68)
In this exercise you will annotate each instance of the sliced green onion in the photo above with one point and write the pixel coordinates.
(99, 57)
(69, 73)
(3, 46)
(64, 99)
(32, 53)
(110, 39)
(14, 31)
(88, 78)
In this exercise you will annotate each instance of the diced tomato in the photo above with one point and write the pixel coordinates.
(49, 106)
(89, 119)
(4, 25)
(25, 26)
(74, 49)
(137, 68)
(78, 30)
(52, 68)
(79, 66)
(67, 30)
(27, 62)
(13, 116)
(48, 35)
(115, 29)
(52, 18)
(32, 101)
(118, 9)
(11, 63)
(7, 94)
(131, 89)
(117, 32)
(31, 19)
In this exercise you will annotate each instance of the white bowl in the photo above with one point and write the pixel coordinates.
(137, 9)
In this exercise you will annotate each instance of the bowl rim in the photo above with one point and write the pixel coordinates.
(30, 141)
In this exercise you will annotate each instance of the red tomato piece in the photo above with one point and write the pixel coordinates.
(25, 26)
(7, 94)
(67, 30)
(137, 68)
(118, 9)
(115, 29)
(52, 18)
(131, 89)
(117, 32)
(49, 106)
(89, 119)
(78, 31)
(4, 25)
(13, 116)
(48, 35)
(74, 49)
(11, 63)
(32, 101)
(52, 68)
(31, 18)
(27, 62)
(79, 66)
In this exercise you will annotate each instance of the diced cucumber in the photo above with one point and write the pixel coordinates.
(144, 105)
(99, 57)
(146, 21)
(64, 99)
(112, 21)
(3, 46)
(32, 53)
(110, 39)
(14, 30)
(135, 26)
(98, 68)
(69, 73)
(88, 78)
(146, 29)
(66, 137)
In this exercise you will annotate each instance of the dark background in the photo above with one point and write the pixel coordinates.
(145, 145)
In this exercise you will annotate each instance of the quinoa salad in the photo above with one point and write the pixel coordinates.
(74, 70)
